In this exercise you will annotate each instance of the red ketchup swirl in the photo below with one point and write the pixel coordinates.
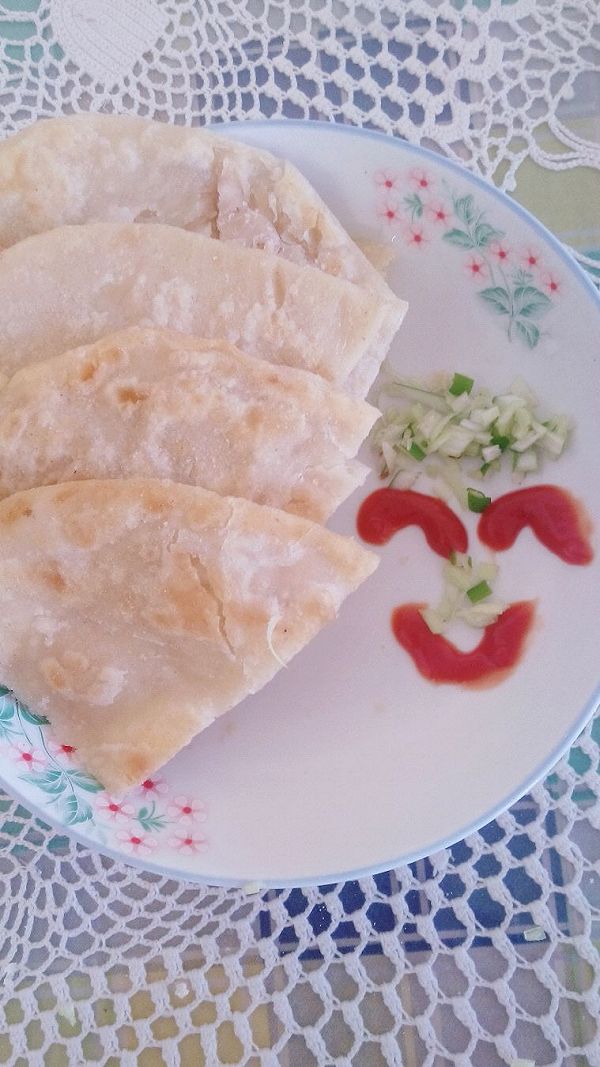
(555, 517)
(438, 660)
(386, 511)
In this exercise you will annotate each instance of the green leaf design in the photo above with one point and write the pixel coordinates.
(85, 781)
(483, 234)
(3, 691)
(498, 297)
(522, 277)
(415, 205)
(528, 331)
(53, 782)
(529, 301)
(76, 810)
(7, 709)
(459, 238)
(464, 209)
(29, 716)
(150, 820)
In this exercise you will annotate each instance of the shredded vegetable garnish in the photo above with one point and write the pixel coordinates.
(270, 631)
(454, 426)
(479, 592)
(461, 384)
(467, 595)
(477, 501)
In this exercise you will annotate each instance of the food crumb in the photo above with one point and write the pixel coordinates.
(534, 933)
(67, 1012)
(251, 888)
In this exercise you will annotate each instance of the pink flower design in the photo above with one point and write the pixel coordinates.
(114, 809)
(136, 840)
(389, 211)
(476, 267)
(438, 212)
(386, 179)
(415, 237)
(187, 808)
(61, 750)
(420, 178)
(156, 787)
(531, 258)
(499, 250)
(187, 843)
(551, 283)
(29, 758)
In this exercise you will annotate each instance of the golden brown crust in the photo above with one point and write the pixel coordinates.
(149, 402)
(134, 612)
(72, 285)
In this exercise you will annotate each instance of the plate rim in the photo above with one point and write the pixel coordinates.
(584, 716)
(437, 157)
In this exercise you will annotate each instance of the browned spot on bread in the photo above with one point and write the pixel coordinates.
(155, 501)
(88, 509)
(247, 615)
(105, 354)
(306, 503)
(67, 676)
(62, 495)
(318, 607)
(128, 395)
(186, 610)
(80, 530)
(136, 767)
(12, 423)
(50, 576)
(54, 673)
(89, 369)
(188, 604)
(255, 419)
(15, 510)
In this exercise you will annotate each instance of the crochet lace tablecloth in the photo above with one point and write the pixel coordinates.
(487, 952)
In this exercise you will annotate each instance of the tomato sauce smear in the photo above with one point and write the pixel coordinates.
(386, 511)
(439, 661)
(557, 519)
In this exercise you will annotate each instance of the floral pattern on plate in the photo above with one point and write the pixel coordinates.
(514, 283)
(145, 818)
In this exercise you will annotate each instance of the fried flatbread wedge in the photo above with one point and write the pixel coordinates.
(123, 168)
(72, 285)
(132, 613)
(150, 403)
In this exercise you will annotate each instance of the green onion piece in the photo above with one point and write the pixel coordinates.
(477, 501)
(416, 451)
(501, 440)
(479, 592)
(484, 468)
(460, 384)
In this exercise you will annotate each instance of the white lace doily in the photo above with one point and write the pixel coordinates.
(487, 952)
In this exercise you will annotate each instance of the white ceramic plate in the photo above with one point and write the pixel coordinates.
(349, 762)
